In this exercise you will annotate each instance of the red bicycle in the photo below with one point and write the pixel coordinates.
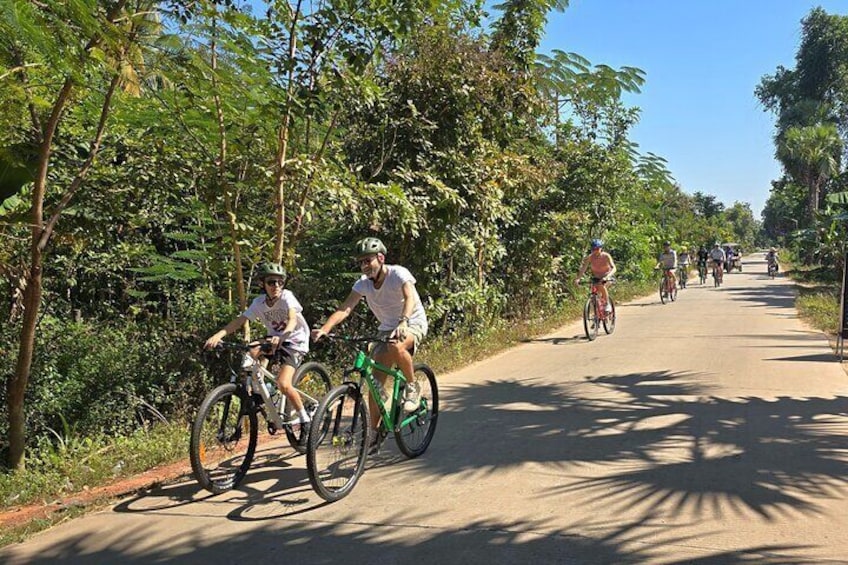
(595, 313)
(668, 287)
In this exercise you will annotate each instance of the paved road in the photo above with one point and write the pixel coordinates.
(710, 430)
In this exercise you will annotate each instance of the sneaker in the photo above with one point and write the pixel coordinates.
(608, 308)
(412, 397)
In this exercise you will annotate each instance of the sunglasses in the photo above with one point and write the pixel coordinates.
(365, 260)
(274, 282)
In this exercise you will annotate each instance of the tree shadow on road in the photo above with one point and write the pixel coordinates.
(768, 296)
(664, 442)
(398, 540)
(576, 338)
(273, 484)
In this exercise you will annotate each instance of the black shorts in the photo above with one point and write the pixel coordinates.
(288, 356)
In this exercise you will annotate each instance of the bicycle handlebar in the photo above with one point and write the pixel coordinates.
(263, 344)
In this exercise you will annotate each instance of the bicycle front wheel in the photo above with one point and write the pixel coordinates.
(313, 380)
(338, 443)
(223, 439)
(663, 293)
(417, 427)
(590, 319)
(609, 319)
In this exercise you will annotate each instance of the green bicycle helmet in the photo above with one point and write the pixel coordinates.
(369, 246)
(267, 269)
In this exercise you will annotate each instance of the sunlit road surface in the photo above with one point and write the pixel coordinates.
(709, 430)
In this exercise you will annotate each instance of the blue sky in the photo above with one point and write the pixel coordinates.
(703, 60)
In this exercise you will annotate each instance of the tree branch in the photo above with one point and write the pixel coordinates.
(94, 148)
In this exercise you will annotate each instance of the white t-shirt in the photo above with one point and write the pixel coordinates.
(682, 259)
(717, 255)
(386, 302)
(276, 318)
(669, 260)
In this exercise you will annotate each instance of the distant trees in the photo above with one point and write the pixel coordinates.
(810, 103)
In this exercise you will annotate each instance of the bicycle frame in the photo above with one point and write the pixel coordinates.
(595, 294)
(365, 366)
(254, 375)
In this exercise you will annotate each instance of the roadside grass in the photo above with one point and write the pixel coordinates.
(78, 464)
(17, 534)
(818, 296)
(74, 464)
(819, 307)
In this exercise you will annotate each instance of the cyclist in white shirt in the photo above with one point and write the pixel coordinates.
(281, 313)
(668, 261)
(389, 291)
(718, 257)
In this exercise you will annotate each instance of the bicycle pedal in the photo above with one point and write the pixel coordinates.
(272, 428)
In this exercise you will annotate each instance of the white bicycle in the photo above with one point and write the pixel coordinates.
(226, 432)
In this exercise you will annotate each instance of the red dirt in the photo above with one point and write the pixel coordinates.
(22, 515)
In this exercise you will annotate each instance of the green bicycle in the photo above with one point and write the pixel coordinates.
(340, 438)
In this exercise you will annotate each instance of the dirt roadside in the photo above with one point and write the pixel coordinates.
(21, 516)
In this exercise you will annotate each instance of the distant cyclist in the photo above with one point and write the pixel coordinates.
(603, 268)
(683, 267)
(703, 257)
(772, 259)
(668, 261)
(718, 257)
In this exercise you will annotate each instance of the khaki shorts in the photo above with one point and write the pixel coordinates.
(417, 332)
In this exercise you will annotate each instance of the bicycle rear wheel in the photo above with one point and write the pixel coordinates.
(415, 436)
(590, 319)
(609, 318)
(311, 378)
(338, 443)
(223, 439)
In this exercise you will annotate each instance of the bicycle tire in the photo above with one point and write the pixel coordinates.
(339, 436)
(662, 291)
(609, 318)
(217, 439)
(414, 438)
(590, 319)
(312, 378)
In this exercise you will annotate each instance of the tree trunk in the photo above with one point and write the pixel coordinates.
(16, 388)
(224, 183)
(283, 142)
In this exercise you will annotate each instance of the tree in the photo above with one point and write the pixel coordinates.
(812, 155)
(87, 43)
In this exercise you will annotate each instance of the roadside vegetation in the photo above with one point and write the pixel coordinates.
(818, 296)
